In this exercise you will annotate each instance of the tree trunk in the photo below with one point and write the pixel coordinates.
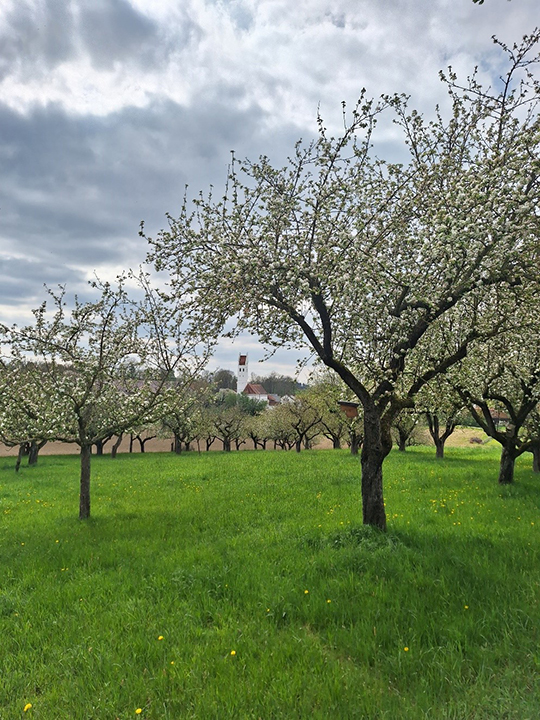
(403, 436)
(143, 441)
(226, 444)
(355, 441)
(33, 451)
(116, 445)
(177, 444)
(99, 447)
(298, 445)
(374, 451)
(506, 469)
(434, 430)
(131, 443)
(336, 444)
(84, 497)
(535, 449)
(22, 452)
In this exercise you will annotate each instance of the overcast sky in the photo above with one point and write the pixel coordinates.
(109, 107)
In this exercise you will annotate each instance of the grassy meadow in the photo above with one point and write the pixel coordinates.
(244, 585)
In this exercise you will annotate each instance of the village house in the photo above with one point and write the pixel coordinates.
(255, 391)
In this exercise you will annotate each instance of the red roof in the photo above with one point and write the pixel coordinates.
(254, 389)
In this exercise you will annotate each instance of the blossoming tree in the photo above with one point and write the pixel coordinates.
(22, 409)
(500, 383)
(380, 268)
(101, 366)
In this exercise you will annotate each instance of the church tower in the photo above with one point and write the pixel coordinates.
(242, 373)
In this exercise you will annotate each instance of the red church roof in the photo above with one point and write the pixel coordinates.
(254, 389)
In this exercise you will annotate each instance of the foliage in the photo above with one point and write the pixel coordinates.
(277, 384)
(227, 417)
(259, 428)
(325, 392)
(99, 368)
(502, 378)
(22, 403)
(383, 269)
(443, 408)
(181, 411)
(224, 379)
(246, 404)
(404, 427)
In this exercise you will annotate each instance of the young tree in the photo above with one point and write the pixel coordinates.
(83, 361)
(259, 428)
(280, 428)
(142, 436)
(181, 409)
(304, 419)
(502, 378)
(324, 393)
(228, 424)
(440, 434)
(364, 259)
(23, 409)
(404, 426)
(442, 408)
(228, 413)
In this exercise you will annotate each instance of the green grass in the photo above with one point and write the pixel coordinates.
(271, 598)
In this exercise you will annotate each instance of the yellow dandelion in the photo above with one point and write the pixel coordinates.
(466, 607)
(160, 637)
(306, 592)
(138, 711)
(406, 649)
(27, 707)
(233, 652)
(172, 662)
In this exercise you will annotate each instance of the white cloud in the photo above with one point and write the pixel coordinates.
(287, 57)
(107, 108)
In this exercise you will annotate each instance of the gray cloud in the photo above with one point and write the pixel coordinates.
(22, 280)
(36, 38)
(74, 189)
(112, 31)
(107, 111)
